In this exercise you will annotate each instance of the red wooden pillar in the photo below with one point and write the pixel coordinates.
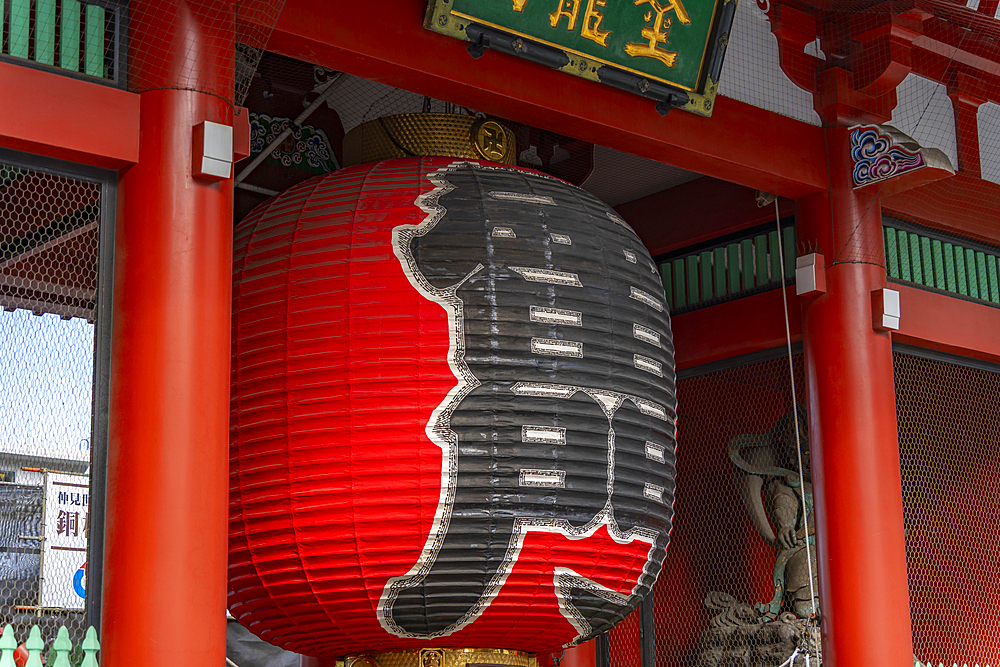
(967, 94)
(864, 599)
(584, 655)
(166, 532)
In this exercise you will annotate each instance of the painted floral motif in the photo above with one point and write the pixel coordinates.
(877, 159)
(307, 148)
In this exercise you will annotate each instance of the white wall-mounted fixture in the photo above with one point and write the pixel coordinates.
(213, 150)
(810, 274)
(885, 310)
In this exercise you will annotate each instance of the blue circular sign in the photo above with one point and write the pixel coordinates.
(79, 581)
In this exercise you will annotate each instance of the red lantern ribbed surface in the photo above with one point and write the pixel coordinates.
(452, 412)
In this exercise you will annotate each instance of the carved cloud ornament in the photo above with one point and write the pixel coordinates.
(881, 153)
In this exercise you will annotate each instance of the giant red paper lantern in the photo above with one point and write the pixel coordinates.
(452, 412)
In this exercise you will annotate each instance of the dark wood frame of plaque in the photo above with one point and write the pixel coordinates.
(439, 18)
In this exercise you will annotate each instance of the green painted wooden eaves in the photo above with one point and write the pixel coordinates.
(68, 34)
(949, 266)
(728, 270)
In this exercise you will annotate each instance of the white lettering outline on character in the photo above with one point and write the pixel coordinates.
(438, 430)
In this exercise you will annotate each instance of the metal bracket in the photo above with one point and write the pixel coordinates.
(488, 38)
(666, 97)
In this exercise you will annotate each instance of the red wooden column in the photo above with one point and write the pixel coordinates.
(967, 94)
(584, 655)
(854, 445)
(166, 532)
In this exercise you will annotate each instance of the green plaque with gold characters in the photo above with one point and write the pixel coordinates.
(668, 50)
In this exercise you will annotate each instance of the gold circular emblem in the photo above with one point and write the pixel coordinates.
(490, 140)
(361, 661)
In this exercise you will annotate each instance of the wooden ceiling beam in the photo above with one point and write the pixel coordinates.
(386, 43)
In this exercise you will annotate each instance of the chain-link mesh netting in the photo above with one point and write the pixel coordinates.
(948, 444)
(160, 55)
(752, 72)
(97, 37)
(919, 78)
(922, 76)
(926, 70)
(73, 36)
(282, 89)
(48, 242)
(624, 640)
(715, 602)
(48, 279)
(920, 81)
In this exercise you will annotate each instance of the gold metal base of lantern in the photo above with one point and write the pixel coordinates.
(444, 657)
(429, 134)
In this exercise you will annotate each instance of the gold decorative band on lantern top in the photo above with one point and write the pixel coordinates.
(429, 134)
(443, 657)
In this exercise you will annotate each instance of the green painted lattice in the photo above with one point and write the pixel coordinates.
(729, 270)
(950, 266)
(61, 654)
(68, 34)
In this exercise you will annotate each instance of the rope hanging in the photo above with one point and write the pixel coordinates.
(804, 646)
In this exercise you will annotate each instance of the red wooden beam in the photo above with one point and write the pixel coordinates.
(941, 322)
(757, 323)
(696, 211)
(386, 42)
(734, 328)
(962, 204)
(62, 117)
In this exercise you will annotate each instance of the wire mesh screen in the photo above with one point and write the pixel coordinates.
(948, 444)
(752, 72)
(920, 78)
(90, 37)
(927, 101)
(570, 159)
(943, 105)
(48, 242)
(282, 89)
(624, 640)
(160, 55)
(718, 600)
(941, 108)
(69, 35)
(48, 273)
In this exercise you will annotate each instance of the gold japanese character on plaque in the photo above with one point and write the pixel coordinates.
(592, 18)
(592, 23)
(568, 8)
(519, 5)
(658, 32)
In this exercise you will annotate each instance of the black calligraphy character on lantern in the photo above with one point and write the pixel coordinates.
(563, 419)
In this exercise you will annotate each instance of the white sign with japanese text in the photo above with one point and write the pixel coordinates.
(65, 548)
